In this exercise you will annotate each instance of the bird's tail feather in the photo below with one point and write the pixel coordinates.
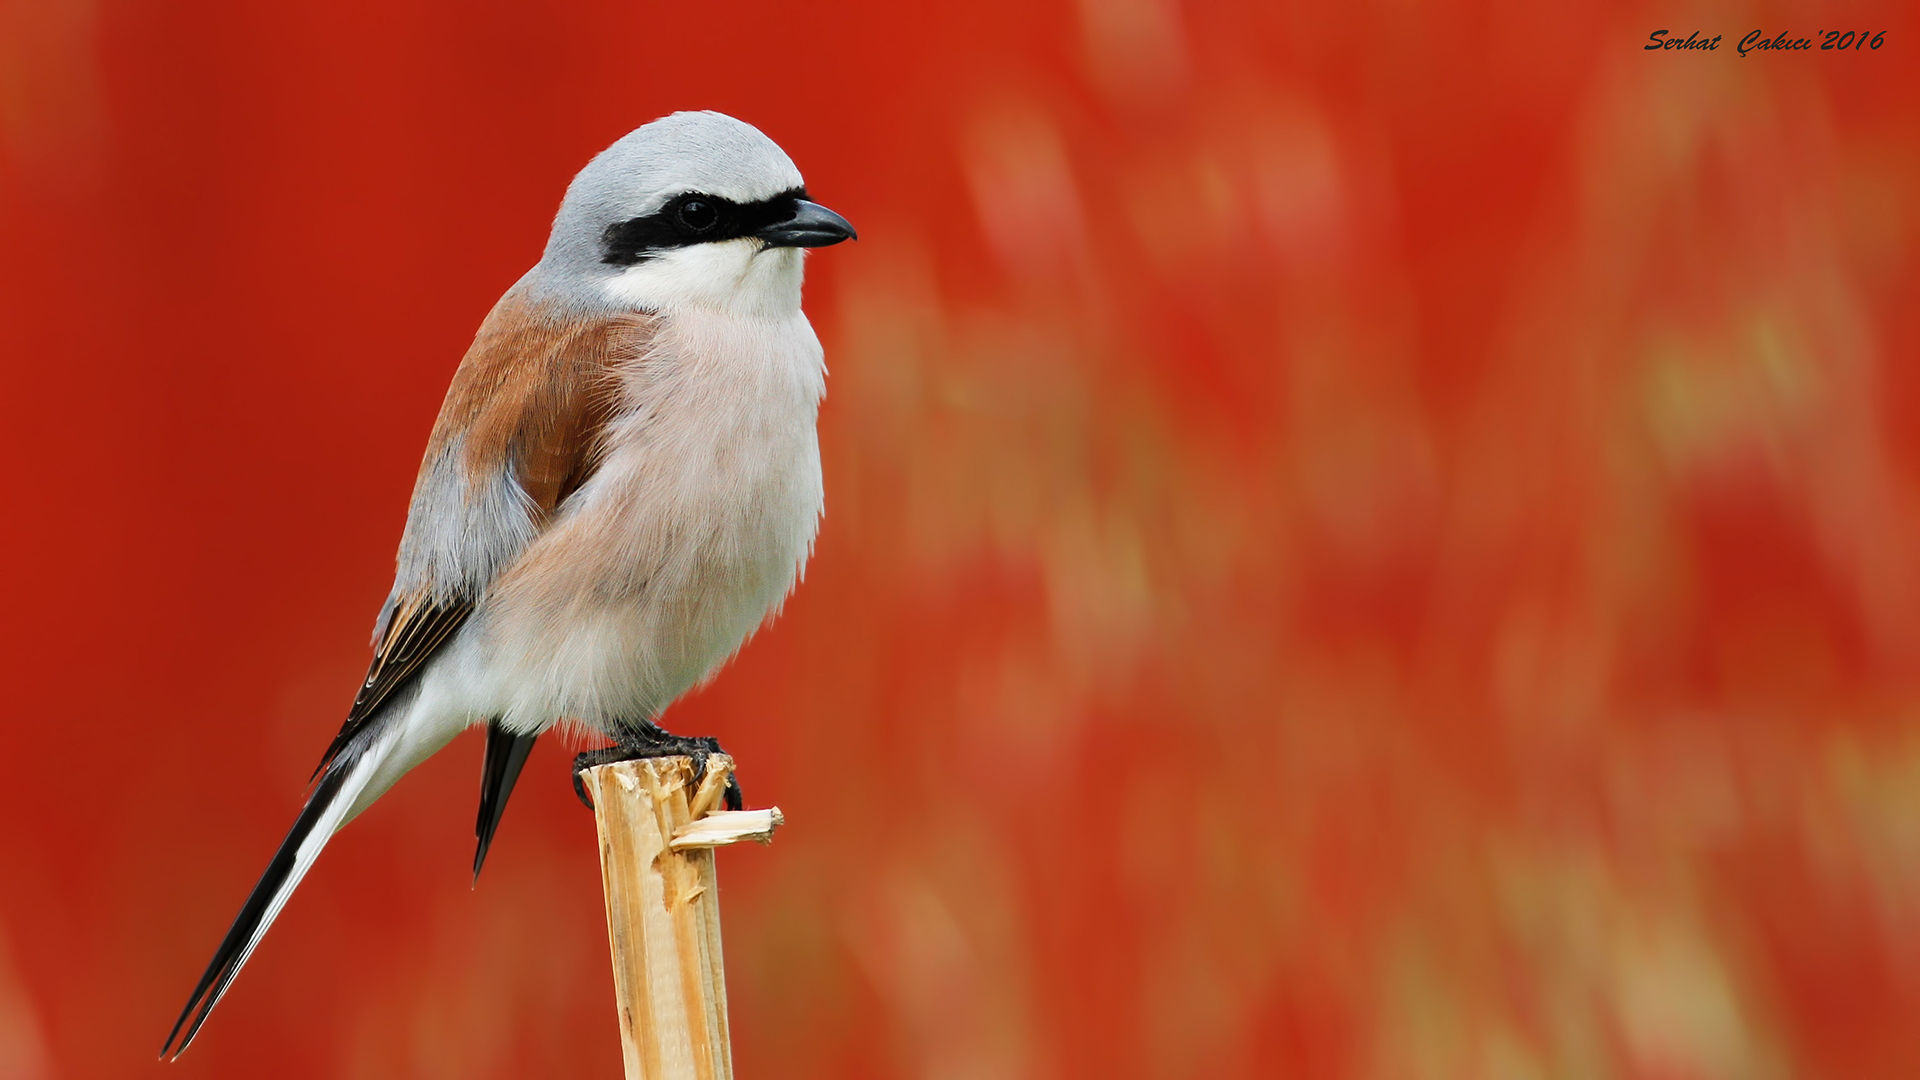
(506, 753)
(326, 811)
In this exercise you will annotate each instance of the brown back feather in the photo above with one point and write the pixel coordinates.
(534, 394)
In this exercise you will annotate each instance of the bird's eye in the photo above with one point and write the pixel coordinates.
(698, 215)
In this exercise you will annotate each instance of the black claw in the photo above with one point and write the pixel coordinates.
(650, 741)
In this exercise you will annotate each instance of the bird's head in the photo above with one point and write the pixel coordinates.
(694, 209)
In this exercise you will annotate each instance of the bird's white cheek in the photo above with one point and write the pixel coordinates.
(735, 276)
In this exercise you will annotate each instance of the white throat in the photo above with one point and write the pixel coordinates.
(737, 277)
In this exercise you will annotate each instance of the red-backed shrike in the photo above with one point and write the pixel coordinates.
(623, 483)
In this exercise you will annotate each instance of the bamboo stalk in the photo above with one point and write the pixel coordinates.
(657, 835)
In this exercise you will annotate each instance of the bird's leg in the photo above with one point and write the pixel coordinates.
(649, 740)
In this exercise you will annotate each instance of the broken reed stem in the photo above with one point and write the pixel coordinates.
(657, 835)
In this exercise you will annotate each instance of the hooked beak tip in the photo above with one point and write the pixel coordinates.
(811, 225)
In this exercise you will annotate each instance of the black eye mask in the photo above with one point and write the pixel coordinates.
(693, 218)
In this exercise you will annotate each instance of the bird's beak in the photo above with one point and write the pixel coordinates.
(811, 225)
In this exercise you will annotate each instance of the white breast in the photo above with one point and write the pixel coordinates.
(689, 535)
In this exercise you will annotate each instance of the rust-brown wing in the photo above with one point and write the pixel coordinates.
(532, 397)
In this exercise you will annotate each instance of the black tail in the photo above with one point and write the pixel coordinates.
(283, 873)
(506, 753)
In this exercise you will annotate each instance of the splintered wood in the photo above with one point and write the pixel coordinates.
(658, 830)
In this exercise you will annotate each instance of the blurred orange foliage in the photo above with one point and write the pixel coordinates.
(1363, 540)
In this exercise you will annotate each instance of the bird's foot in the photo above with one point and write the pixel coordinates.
(653, 742)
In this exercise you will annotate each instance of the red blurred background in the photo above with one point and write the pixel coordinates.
(1364, 540)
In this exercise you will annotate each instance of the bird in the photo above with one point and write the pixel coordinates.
(623, 483)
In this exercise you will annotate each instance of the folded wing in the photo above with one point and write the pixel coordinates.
(519, 432)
